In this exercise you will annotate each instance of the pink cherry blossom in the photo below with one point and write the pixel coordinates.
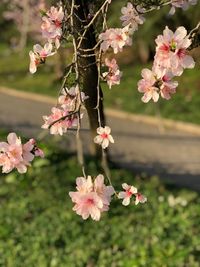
(105, 192)
(38, 55)
(155, 82)
(148, 86)
(113, 75)
(104, 137)
(59, 121)
(139, 198)
(127, 194)
(56, 15)
(52, 25)
(131, 17)
(69, 98)
(91, 198)
(11, 153)
(184, 4)
(116, 38)
(171, 51)
(16, 155)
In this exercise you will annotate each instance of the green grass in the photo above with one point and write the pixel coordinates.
(184, 105)
(38, 227)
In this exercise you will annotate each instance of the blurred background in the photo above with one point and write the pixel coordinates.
(37, 225)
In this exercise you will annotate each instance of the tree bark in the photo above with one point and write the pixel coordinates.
(89, 74)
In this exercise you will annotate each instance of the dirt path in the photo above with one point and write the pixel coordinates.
(174, 154)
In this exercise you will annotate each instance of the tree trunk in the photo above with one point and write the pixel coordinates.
(89, 75)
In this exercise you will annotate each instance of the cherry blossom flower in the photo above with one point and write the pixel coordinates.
(171, 51)
(91, 198)
(16, 155)
(52, 25)
(113, 75)
(139, 198)
(184, 4)
(116, 38)
(127, 194)
(59, 121)
(105, 192)
(155, 82)
(131, 17)
(39, 55)
(148, 86)
(56, 15)
(69, 99)
(104, 137)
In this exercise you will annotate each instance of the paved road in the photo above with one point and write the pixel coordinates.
(174, 155)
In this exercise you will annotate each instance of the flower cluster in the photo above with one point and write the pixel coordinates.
(39, 55)
(14, 154)
(116, 38)
(104, 137)
(170, 60)
(113, 75)
(52, 25)
(128, 193)
(184, 4)
(66, 116)
(69, 98)
(52, 31)
(92, 197)
(130, 17)
(154, 83)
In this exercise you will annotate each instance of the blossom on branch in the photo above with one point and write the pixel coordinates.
(171, 51)
(69, 98)
(184, 4)
(39, 55)
(113, 75)
(59, 121)
(116, 38)
(92, 197)
(129, 192)
(14, 154)
(131, 17)
(52, 25)
(104, 137)
(156, 82)
(139, 198)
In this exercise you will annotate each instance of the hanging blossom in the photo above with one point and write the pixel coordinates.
(113, 75)
(104, 137)
(69, 98)
(129, 192)
(67, 115)
(14, 154)
(59, 121)
(130, 17)
(52, 25)
(39, 55)
(156, 82)
(92, 197)
(171, 51)
(116, 38)
(184, 4)
(51, 30)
